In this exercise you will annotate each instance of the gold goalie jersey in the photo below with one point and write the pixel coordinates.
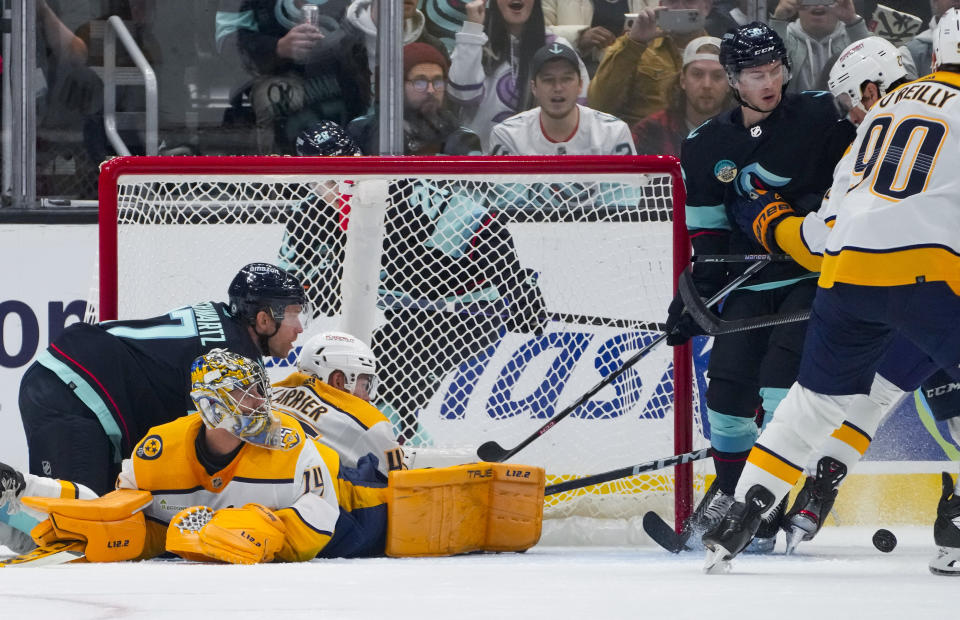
(895, 192)
(348, 424)
(299, 483)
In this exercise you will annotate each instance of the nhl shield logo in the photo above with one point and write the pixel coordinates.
(725, 171)
(216, 482)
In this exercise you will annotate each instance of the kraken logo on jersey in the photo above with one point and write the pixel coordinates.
(754, 177)
(150, 448)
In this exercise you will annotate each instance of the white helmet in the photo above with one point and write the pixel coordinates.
(946, 39)
(872, 59)
(330, 351)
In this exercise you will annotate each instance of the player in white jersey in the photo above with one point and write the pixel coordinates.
(560, 126)
(891, 264)
(330, 395)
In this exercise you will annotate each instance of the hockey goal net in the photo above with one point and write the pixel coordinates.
(494, 291)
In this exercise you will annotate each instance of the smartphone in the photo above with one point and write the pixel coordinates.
(628, 20)
(680, 20)
(817, 2)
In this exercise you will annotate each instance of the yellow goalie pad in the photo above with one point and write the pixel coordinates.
(477, 507)
(112, 526)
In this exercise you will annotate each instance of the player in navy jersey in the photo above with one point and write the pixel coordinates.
(97, 389)
(771, 141)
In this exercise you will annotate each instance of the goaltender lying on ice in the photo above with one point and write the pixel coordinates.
(242, 483)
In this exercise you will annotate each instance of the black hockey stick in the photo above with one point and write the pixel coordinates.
(739, 258)
(714, 325)
(493, 452)
(626, 472)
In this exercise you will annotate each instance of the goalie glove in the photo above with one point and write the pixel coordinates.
(758, 215)
(248, 535)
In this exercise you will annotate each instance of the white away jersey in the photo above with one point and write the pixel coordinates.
(597, 134)
(896, 193)
(342, 421)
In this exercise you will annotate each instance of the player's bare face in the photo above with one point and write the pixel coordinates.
(706, 87)
(556, 88)
(762, 86)
(361, 388)
(515, 12)
(287, 331)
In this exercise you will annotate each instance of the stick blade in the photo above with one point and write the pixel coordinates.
(491, 452)
(662, 534)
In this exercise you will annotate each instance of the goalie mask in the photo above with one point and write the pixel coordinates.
(328, 352)
(232, 392)
(869, 60)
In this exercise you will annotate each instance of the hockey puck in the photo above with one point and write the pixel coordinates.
(884, 540)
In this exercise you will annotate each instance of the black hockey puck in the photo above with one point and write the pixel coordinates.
(884, 540)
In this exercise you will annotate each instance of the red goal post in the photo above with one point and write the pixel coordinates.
(173, 230)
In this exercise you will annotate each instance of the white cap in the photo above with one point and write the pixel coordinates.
(690, 51)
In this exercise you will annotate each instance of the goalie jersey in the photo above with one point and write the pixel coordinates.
(895, 192)
(348, 424)
(597, 133)
(326, 508)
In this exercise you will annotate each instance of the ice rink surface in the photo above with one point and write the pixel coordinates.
(839, 575)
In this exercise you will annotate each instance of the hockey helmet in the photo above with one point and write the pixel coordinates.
(752, 45)
(326, 138)
(262, 286)
(946, 39)
(330, 351)
(231, 392)
(873, 59)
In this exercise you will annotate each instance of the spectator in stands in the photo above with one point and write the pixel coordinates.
(918, 52)
(444, 19)
(361, 22)
(302, 72)
(815, 38)
(429, 126)
(638, 72)
(559, 126)
(701, 93)
(490, 64)
(591, 25)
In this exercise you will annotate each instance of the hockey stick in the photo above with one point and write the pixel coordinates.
(493, 452)
(626, 472)
(49, 555)
(714, 325)
(739, 258)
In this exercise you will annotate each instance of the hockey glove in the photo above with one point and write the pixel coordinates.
(680, 326)
(758, 215)
(11, 486)
(248, 535)
(526, 309)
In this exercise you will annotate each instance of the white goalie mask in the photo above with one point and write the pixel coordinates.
(231, 392)
(872, 59)
(946, 39)
(331, 351)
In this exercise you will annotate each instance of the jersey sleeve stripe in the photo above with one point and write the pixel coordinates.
(307, 523)
(710, 217)
(263, 480)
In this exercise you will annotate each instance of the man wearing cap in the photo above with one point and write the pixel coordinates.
(701, 93)
(559, 126)
(639, 70)
(429, 127)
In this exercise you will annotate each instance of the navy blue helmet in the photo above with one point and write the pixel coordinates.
(752, 45)
(262, 286)
(326, 138)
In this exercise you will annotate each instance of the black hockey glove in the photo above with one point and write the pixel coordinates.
(680, 326)
(11, 482)
(526, 311)
(758, 215)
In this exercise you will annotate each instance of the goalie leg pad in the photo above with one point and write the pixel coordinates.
(476, 507)
(113, 526)
(248, 535)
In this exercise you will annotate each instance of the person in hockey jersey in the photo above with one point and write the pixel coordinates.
(559, 125)
(772, 140)
(96, 390)
(239, 482)
(330, 395)
(890, 272)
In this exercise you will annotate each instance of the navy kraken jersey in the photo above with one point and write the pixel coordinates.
(793, 152)
(135, 375)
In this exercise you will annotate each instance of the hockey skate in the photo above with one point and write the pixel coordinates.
(814, 502)
(765, 539)
(946, 532)
(736, 529)
(11, 486)
(707, 515)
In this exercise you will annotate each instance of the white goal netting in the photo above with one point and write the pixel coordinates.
(494, 292)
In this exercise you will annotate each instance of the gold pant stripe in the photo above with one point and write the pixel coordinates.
(853, 437)
(774, 465)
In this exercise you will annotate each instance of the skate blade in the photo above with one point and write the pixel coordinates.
(794, 538)
(717, 561)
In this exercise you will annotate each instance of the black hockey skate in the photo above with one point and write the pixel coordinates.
(946, 532)
(766, 537)
(707, 515)
(736, 529)
(814, 502)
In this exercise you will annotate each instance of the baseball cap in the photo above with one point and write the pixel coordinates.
(553, 51)
(690, 51)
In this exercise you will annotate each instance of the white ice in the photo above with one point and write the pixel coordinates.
(838, 575)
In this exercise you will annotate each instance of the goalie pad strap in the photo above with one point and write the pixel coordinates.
(476, 507)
